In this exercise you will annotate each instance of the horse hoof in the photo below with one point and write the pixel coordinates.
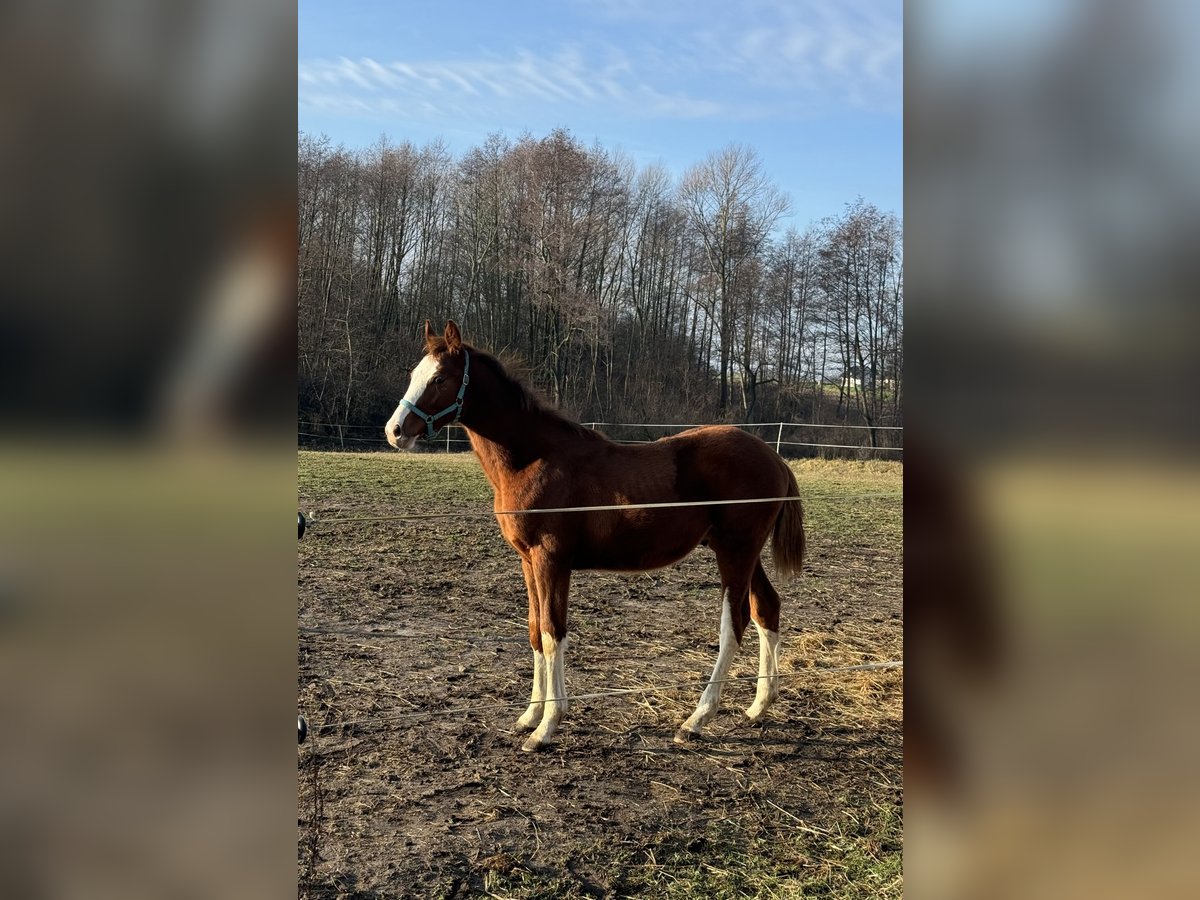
(535, 745)
(522, 726)
(749, 717)
(686, 736)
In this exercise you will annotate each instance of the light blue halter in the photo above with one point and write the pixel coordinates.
(455, 407)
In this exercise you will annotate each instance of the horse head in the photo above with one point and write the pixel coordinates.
(435, 389)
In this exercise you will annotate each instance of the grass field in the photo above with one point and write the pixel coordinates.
(405, 624)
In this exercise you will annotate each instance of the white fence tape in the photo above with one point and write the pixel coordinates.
(778, 442)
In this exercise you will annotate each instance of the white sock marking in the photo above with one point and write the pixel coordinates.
(556, 689)
(533, 714)
(711, 698)
(768, 672)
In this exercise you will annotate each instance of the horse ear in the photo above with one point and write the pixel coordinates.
(452, 336)
(429, 335)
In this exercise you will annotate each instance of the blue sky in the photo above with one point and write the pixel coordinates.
(813, 85)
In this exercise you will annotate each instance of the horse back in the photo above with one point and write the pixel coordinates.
(710, 463)
(721, 462)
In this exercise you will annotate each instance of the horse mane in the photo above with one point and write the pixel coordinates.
(524, 397)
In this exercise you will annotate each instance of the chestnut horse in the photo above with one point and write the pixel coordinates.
(536, 458)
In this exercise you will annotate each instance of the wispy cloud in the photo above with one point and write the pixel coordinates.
(693, 60)
(565, 79)
(840, 46)
(807, 53)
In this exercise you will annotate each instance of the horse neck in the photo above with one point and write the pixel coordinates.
(505, 436)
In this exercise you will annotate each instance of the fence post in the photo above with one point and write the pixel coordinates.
(448, 427)
(341, 437)
(779, 437)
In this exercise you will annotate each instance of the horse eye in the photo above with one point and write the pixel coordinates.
(439, 379)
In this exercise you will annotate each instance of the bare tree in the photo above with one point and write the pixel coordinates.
(860, 275)
(732, 206)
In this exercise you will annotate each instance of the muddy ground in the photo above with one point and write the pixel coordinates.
(406, 789)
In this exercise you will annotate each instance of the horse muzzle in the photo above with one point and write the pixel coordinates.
(393, 431)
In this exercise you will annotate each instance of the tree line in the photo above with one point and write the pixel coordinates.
(626, 295)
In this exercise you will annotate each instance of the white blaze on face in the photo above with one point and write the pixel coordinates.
(424, 373)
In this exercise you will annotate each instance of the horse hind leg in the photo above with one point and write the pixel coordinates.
(764, 611)
(733, 623)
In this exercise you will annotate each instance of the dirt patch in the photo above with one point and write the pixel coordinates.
(407, 627)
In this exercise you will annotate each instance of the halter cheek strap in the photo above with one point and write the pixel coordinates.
(455, 407)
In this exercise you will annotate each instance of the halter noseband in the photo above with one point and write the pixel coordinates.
(455, 407)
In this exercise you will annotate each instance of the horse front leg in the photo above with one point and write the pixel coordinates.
(553, 584)
(533, 715)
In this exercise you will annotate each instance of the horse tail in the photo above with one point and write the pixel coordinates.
(787, 543)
